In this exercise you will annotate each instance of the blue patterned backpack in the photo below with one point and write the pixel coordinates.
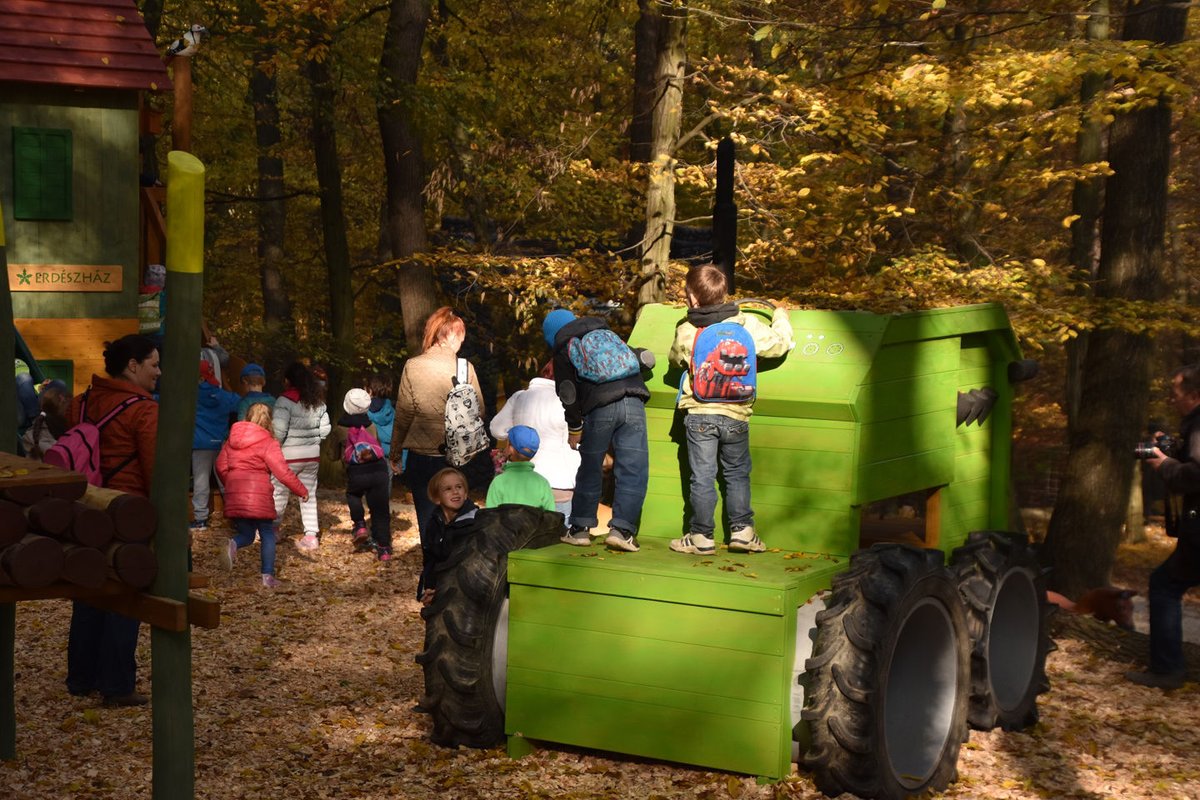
(600, 356)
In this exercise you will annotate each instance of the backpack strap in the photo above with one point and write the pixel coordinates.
(109, 417)
(461, 372)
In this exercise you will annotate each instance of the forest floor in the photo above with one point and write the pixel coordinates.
(307, 692)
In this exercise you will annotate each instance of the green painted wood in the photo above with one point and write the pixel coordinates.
(889, 439)
(104, 224)
(8, 444)
(519, 747)
(174, 753)
(908, 474)
(894, 400)
(901, 361)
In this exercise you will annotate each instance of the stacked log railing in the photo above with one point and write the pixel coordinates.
(63, 538)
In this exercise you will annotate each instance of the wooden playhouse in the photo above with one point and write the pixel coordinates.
(74, 78)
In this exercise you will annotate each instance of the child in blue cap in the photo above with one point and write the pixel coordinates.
(518, 483)
(254, 380)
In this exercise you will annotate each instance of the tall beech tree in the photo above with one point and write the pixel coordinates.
(1086, 525)
(404, 218)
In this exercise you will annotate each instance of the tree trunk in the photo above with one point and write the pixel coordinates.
(152, 15)
(272, 213)
(666, 117)
(405, 213)
(1086, 526)
(1086, 200)
(333, 219)
(645, 62)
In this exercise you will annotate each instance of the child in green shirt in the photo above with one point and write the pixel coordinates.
(518, 483)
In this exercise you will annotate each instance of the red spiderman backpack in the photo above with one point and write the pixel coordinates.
(724, 365)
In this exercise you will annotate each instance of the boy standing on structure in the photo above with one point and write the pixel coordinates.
(718, 346)
(518, 483)
(599, 380)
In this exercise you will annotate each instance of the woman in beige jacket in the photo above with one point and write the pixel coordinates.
(421, 406)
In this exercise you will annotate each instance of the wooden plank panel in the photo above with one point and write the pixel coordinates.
(972, 465)
(904, 398)
(625, 616)
(77, 340)
(886, 440)
(919, 471)
(897, 362)
(680, 735)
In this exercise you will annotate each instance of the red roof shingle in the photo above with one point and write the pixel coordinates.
(96, 44)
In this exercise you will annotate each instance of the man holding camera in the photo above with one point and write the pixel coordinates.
(1181, 571)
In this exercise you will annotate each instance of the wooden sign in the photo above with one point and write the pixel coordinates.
(65, 277)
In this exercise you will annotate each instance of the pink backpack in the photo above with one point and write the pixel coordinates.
(78, 449)
(361, 447)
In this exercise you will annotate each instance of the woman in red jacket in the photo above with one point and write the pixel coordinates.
(246, 463)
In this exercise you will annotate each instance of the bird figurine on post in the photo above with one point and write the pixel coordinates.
(187, 44)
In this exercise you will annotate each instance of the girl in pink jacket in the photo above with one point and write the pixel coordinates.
(246, 463)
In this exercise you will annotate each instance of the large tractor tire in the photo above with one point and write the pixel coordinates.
(466, 625)
(886, 687)
(1004, 588)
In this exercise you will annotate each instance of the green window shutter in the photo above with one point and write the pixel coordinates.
(42, 169)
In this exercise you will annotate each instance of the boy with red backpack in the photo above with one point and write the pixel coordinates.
(367, 476)
(719, 346)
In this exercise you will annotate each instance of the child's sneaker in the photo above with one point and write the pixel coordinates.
(695, 543)
(227, 554)
(621, 540)
(384, 553)
(307, 542)
(745, 540)
(198, 525)
(578, 536)
(270, 581)
(361, 537)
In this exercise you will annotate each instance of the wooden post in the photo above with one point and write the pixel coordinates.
(171, 659)
(181, 121)
(8, 444)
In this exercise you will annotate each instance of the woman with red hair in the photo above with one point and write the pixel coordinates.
(425, 384)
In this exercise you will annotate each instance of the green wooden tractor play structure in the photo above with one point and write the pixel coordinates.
(889, 614)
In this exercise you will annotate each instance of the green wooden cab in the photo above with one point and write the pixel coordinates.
(873, 429)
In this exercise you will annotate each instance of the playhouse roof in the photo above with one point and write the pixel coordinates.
(81, 43)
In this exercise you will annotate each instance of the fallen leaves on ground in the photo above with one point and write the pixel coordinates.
(307, 692)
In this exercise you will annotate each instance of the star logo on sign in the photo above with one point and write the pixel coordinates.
(23, 277)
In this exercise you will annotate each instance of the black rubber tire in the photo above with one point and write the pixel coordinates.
(886, 687)
(460, 624)
(1004, 588)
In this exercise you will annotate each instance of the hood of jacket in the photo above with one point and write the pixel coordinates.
(703, 316)
(245, 435)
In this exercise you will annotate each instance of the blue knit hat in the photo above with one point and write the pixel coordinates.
(253, 370)
(524, 440)
(553, 323)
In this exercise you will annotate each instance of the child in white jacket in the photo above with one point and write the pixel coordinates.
(301, 423)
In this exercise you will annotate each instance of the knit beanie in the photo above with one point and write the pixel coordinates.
(553, 323)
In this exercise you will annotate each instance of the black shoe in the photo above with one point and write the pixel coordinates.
(1157, 680)
(621, 540)
(121, 700)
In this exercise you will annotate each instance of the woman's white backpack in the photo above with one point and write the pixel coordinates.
(466, 436)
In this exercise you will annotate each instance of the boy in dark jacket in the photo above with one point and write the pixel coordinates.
(453, 515)
(367, 478)
(600, 415)
(214, 406)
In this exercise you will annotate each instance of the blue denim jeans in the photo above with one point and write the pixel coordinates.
(101, 651)
(713, 438)
(1168, 584)
(244, 537)
(621, 424)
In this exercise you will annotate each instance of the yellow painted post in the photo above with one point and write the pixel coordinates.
(174, 732)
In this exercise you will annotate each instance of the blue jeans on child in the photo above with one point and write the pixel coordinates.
(244, 537)
(712, 438)
(622, 424)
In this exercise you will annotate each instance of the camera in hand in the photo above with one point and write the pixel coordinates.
(1171, 447)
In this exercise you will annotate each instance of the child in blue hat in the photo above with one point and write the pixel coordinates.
(254, 380)
(518, 483)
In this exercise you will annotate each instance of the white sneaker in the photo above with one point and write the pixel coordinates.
(695, 543)
(745, 540)
(307, 543)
